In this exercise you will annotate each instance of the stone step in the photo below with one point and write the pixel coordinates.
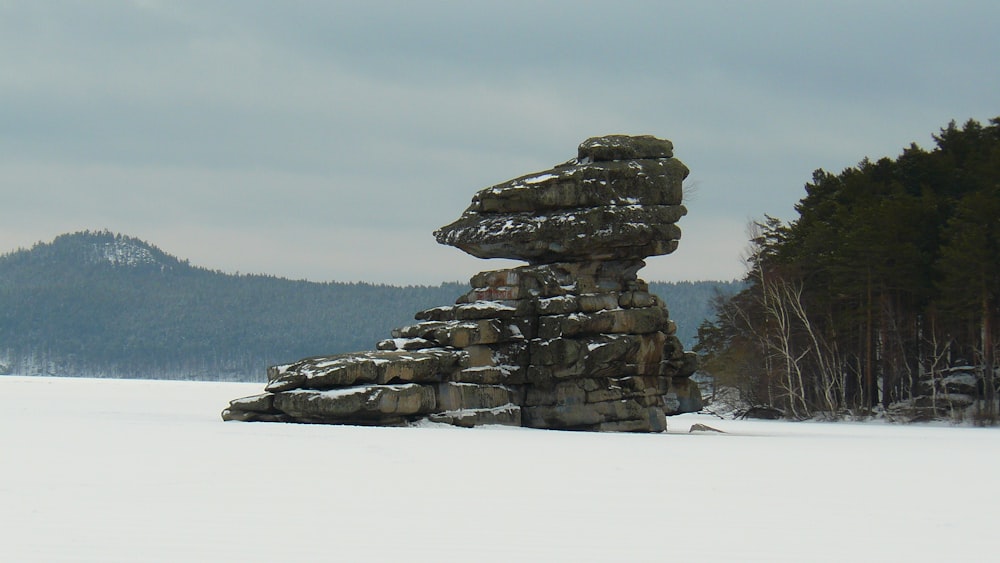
(329, 372)
(492, 375)
(462, 334)
(624, 147)
(598, 390)
(405, 344)
(481, 309)
(616, 321)
(382, 404)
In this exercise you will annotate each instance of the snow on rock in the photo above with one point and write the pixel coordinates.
(540, 178)
(620, 200)
(571, 341)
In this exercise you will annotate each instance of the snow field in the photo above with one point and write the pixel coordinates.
(114, 470)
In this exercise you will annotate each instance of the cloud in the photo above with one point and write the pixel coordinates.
(216, 127)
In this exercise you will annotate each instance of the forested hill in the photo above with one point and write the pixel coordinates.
(883, 294)
(108, 305)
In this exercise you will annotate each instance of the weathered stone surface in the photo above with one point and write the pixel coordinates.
(285, 377)
(951, 400)
(581, 416)
(258, 408)
(456, 396)
(492, 375)
(650, 353)
(574, 391)
(644, 386)
(501, 354)
(525, 286)
(673, 349)
(622, 321)
(405, 344)
(621, 199)
(594, 302)
(591, 389)
(634, 299)
(600, 233)
(506, 415)
(472, 311)
(624, 147)
(330, 372)
(654, 421)
(384, 403)
(684, 396)
(462, 334)
(562, 305)
(263, 403)
(574, 186)
(573, 340)
(250, 416)
(689, 364)
(704, 428)
(966, 381)
(590, 351)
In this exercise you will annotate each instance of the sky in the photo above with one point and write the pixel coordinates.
(327, 140)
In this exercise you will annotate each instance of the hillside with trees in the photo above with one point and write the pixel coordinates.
(107, 305)
(883, 296)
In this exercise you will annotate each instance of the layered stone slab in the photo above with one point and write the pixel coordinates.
(599, 233)
(624, 147)
(383, 367)
(571, 341)
(620, 199)
(592, 185)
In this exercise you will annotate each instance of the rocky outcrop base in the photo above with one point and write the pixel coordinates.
(574, 346)
(572, 341)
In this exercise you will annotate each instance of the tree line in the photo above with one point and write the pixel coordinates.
(67, 309)
(108, 305)
(882, 296)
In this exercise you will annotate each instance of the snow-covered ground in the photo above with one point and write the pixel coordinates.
(106, 470)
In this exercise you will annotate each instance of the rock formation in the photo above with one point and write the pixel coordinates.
(573, 340)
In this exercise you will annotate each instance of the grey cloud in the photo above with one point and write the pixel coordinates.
(296, 121)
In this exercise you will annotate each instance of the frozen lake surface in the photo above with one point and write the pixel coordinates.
(114, 470)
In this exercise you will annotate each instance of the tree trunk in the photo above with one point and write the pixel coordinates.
(868, 391)
(989, 385)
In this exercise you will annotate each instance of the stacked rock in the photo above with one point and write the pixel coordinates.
(574, 340)
(619, 199)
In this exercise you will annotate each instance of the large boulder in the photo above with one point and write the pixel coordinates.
(368, 404)
(596, 233)
(571, 341)
(620, 199)
(574, 185)
(395, 366)
(624, 147)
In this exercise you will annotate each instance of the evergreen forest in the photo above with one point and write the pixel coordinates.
(882, 297)
(102, 304)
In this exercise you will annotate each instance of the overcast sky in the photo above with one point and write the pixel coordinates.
(327, 140)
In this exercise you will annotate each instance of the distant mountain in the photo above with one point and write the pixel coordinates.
(98, 303)
(108, 305)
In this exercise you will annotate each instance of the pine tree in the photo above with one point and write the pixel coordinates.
(890, 265)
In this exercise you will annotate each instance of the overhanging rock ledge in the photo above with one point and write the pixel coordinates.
(573, 340)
